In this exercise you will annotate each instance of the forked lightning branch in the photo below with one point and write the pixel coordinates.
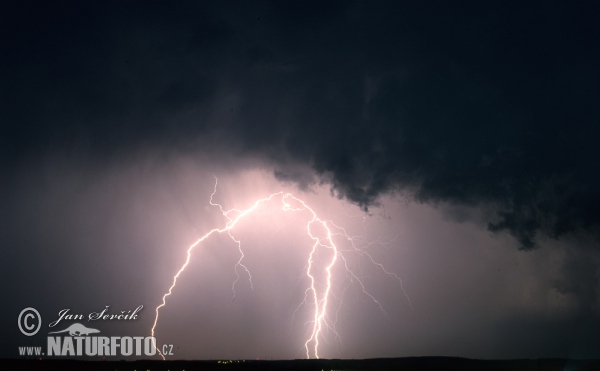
(319, 270)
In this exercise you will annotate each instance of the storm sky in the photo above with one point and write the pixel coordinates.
(462, 139)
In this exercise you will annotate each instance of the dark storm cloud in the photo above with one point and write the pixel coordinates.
(480, 105)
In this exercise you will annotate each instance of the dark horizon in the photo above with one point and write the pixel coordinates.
(409, 363)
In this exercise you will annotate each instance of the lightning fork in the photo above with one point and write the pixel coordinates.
(320, 298)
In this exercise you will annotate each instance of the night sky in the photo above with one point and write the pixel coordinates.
(459, 139)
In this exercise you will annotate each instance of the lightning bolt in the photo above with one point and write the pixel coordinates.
(320, 297)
